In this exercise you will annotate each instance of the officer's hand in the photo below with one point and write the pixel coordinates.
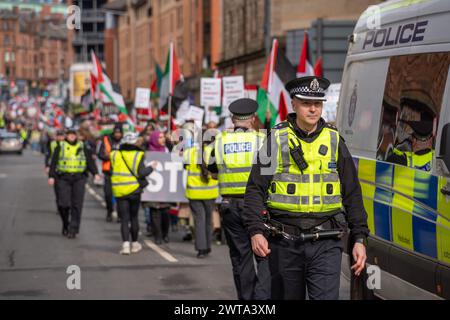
(47, 170)
(359, 255)
(51, 181)
(154, 164)
(97, 178)
(260, 245)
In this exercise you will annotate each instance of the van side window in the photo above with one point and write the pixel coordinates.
(410, 109)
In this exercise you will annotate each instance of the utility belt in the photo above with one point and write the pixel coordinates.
(228, 197)
(325, 230)
(61, 174)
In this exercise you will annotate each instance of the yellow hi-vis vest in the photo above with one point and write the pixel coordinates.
(122, 180)
(196, 188)
(2, 119)
(71, 158)
(317, 188)
(418, 161)
(235, 153)
(53, 146)
(23, 134)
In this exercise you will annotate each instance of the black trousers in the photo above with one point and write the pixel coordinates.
(297, 267)
(55, 189)
(251, 273)
(128, 209)
(107, 189)
(160, 222)
(70, 189)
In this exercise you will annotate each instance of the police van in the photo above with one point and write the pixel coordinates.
(394, 114)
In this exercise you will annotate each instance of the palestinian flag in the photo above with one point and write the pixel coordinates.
(272, 97)
(93, 87)
(304, 67)
(106, 91)
(104, 86)
(318, 69)
(156, 84)
(170, 77)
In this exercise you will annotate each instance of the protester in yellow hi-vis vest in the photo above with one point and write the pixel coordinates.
(71, 161)
(234, 154)
(59, 137)
(201, 191)
(303, 176)
(128, 172)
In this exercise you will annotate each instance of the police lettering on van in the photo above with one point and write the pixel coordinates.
(411, 32)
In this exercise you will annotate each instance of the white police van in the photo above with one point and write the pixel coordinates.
(394, 110)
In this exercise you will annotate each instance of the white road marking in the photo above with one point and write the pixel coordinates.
(163, 253)
(95, 195)
(3, 175)
(160, 251)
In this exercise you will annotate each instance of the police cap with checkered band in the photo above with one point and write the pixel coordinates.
(308, 88)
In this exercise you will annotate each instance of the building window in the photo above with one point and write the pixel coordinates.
(150, 57)
(150, 34)
(255, 20)
(180, 17)
(180, 47)
(6, 40)
(150, 12)
(230, 29)
(207, 28)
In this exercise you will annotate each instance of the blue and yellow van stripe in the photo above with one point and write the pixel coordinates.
(405, 206)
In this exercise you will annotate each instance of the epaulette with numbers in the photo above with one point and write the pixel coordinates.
(331, 126)
(281, 125)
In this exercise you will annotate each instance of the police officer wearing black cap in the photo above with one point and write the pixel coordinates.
(234, 152)
(59, 136)
(421, 155)
(303, 177)
(71, 160)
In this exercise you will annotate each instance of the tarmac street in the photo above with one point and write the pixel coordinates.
(37, 262)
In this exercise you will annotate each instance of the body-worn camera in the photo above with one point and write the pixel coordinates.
(297, 156)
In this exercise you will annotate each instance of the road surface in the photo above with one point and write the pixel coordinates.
(34, 256)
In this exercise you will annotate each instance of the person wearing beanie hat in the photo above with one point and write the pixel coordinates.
(128, 179)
